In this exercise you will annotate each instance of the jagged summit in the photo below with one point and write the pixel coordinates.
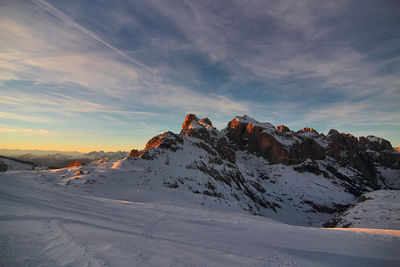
(192, 123)
(280, 144)
(282, 128)
(245, 119)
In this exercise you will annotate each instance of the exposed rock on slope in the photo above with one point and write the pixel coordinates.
(75, 163)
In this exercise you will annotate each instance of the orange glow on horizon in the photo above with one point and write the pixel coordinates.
(369, 231)
(76, 148)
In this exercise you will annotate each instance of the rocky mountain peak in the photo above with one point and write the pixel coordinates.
(282, 128)
(192, 122)
(375, 143)
(333, 132)
(308, 130)
(165, 140)
(187, 122)
(199, 128)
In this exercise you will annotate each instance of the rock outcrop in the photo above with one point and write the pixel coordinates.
(75, 163)
(282, 128)
(135, 153)
(276, 144)
(280, 145)
(167, 140)
(308, 130)
(375, 143)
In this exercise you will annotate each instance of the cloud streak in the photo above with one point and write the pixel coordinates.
(69, 21)
(28, 131)
(13, 116)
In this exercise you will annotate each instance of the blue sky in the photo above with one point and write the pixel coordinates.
(87, 75)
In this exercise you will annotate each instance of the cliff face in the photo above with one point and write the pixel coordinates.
(276, 144)
(280, 145)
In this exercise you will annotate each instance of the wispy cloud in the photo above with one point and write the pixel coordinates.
(70, 22)
(13, 116)
(27, 131)
(57, 50)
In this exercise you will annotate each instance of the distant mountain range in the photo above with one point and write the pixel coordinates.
(37, 152)
(59, 159)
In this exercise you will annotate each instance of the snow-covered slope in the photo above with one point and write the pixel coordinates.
(379, 209)
(43, 224)
(7, 164)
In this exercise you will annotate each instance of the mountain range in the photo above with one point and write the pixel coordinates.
(296, 177)
(190, 198)
(54, 159)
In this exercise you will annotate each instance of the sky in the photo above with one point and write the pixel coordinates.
(109, 75)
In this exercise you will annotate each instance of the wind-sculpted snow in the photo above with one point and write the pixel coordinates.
(47, 225)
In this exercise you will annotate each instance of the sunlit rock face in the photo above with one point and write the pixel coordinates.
(76, 163)
(276, 144)
(187, 122)
(167, 140)
(248, 134)
(135, 153)
(308, 130)
(198, 128)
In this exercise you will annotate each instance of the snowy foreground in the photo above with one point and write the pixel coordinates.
(43, 224)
